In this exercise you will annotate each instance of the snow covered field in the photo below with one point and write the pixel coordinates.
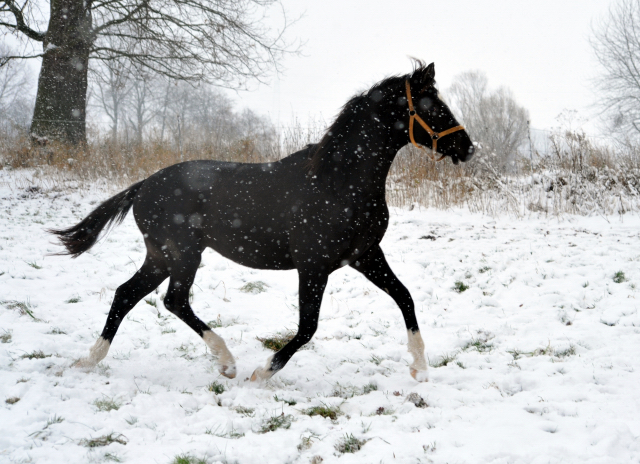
(537, 361)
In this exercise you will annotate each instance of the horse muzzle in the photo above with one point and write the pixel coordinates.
(467, 157)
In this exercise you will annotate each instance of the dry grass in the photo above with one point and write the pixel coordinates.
(330, 412)
(574, 176)
(104, 440)
(276, 342)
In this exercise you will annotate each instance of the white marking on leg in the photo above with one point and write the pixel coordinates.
(418, 368)
(263, 373)
(96, 354)
(226, 363)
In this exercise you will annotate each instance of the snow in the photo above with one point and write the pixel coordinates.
(545, 347)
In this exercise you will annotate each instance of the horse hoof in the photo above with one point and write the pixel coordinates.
(261, 374)
(228, 371)
(420, 376)
(84, 363)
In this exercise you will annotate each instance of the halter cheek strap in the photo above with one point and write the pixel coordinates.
(434, 135)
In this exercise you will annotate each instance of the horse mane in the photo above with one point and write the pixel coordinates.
(345, 117)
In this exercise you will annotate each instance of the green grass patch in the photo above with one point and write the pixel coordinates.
(328, 412)
(479, 344)
(215, 324)
(55, 419)
(35, 355)
(368, 388)
(104, 440)
(460, 286)
(25, 308)
(289, 402)
(230, 434)
(273, 423)
(244, 411)
(484, 269)
(566, 352)
(189, 459)
(74, 299)
(444, 360)
(107, 404)
(151, 302)
(216, 387)
(619, 277)
(254, 287)
(546, 351)
(6, 337)
(276, 342)
(349, 444)
(34, 265)
(349, 391)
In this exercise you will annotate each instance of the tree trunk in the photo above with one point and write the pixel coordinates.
(60, 110)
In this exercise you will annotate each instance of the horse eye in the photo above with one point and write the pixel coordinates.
(425, 103)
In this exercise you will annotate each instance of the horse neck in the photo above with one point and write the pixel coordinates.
(359, 152)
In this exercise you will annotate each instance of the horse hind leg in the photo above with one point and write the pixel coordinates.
(151, 274)
(183, 271)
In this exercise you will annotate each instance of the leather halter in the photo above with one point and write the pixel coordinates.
(434, 135)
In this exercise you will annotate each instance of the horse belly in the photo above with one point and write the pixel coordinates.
(251, 246)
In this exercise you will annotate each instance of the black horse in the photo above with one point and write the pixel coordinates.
(315, 211)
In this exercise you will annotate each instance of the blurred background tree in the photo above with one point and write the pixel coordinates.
(616, 43)
(492, 117)
(223, 42)
(15, 96)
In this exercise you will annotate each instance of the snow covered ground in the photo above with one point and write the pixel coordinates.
(538, 361)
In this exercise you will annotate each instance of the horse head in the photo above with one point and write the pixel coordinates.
(430, 121)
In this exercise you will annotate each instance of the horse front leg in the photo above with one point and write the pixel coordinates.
(311, 286)
(374, 267)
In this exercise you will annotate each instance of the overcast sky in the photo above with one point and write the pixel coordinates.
(540, 49)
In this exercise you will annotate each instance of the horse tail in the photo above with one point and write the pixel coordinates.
(84, 235)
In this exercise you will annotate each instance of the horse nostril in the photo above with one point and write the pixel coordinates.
(470, 153)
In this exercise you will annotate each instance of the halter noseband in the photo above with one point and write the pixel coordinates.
(434, 135)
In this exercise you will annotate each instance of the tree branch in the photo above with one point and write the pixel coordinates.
(21, 25)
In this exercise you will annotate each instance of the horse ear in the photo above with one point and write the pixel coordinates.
(430, 72)
(425, 76)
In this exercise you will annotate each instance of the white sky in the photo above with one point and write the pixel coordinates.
(540, 49)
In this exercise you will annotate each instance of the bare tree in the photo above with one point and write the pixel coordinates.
(201, 118)
(16, 103)
(112, 81)
(492, 117)
(616, 43)
(224, 42)
(140, 103)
